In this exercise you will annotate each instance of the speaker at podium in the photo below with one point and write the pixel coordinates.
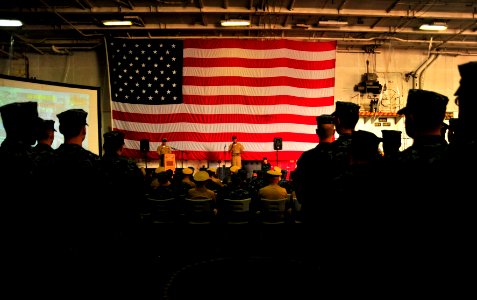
(170, 162)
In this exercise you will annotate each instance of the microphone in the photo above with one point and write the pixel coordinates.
(225, 146)
(174, 148)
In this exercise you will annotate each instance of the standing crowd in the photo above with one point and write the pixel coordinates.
(69, 206)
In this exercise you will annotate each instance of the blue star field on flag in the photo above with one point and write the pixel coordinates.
(146, 71)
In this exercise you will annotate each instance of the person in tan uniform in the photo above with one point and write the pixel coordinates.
(162, 149)
(236, 149)
(273, 191)
(200, 191)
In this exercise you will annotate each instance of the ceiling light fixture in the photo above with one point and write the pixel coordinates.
(435, 26)
(234, 22)
(332, 23)
(117, 23)
(10, 23)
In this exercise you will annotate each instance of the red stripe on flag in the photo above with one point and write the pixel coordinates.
(210, 118)
(258, 63)
(264, 81)
(262, 100)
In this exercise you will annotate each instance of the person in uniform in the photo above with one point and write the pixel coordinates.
(200, 191)
(346, 116)
(125, 189)
(420, 170)
(45, 136)
(162, 149)
(265, 165)
(273, 191)
(80, 199)
(306, 177)
(22, 235)
(460, 211)
(44, 154)
(391, 142)
(236, 149)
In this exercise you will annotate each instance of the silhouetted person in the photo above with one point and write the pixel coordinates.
(346, 116)
(391, 143)
(22, 224)
(416, 216)
(314, 171)
(82, 207)
(125, 193)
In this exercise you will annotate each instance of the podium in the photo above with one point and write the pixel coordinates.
(170, 162)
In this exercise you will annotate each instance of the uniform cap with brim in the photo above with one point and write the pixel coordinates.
(468, 73)
(234, 169)
(116, 137)
(164, 139)
(160, 170)
(325, 119)
(422, 101)
(46, 125)
(18, 115)
(213, 170)
(201, 176)
(390, 134)
(276, 171)
(187, 171)
(345, 108)
(74, 116)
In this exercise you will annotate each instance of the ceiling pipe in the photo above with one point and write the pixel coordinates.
(425, 68)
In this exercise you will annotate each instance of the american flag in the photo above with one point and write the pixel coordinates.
(198, 93)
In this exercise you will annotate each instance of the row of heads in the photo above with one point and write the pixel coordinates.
(203, 175)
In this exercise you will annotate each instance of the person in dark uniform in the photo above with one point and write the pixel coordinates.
(82, 208)
(346, 116)
(459, 215)
(314, 169)
(265, 165)
(391, 142)
(420, 168)
(22, 225)
(125, 189)
(45, 135)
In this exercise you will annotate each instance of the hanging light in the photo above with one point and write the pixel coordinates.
(10, 23)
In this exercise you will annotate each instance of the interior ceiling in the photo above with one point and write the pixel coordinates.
(63, 26)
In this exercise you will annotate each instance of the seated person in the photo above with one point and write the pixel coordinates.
(273, 191)
(200, 191)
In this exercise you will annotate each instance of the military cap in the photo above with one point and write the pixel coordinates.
(325, 119)
(201, 176)
(213, 170)
(234, 137)
(276, 171)
(346, 109)
(115, 137)
(187, 171)
(364, 144)
(164, 140)
(46, 125)
(423, 101)
(160, 170)
(391, 134)
(19, 114)
(468, 73)
(73, 117)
